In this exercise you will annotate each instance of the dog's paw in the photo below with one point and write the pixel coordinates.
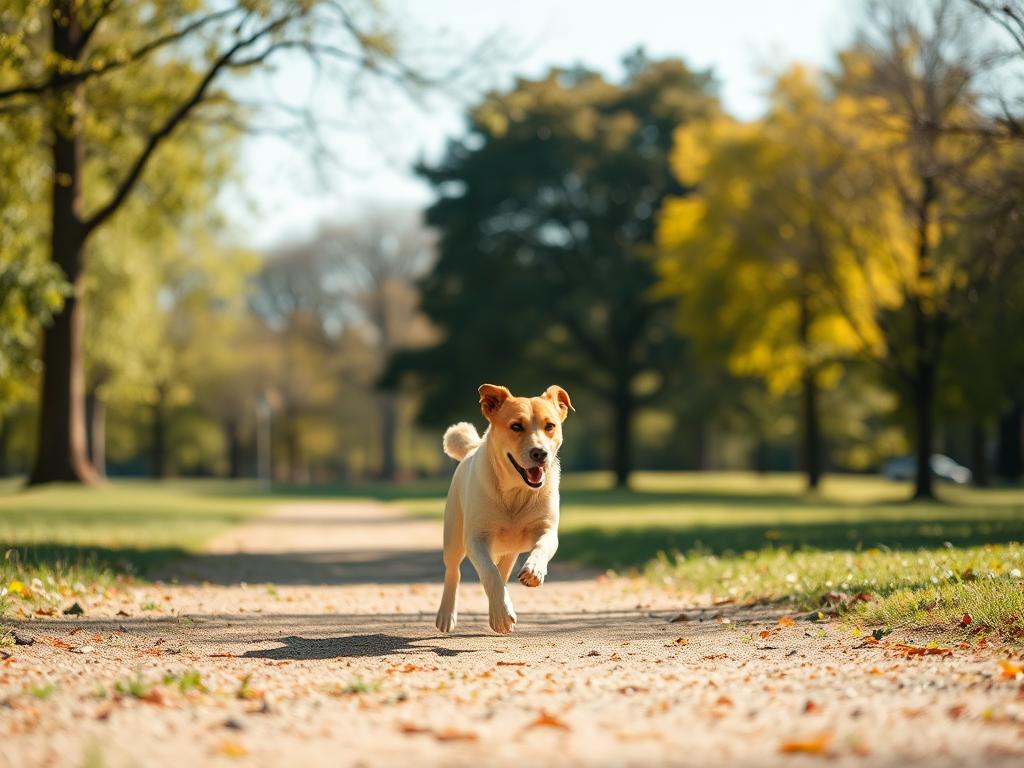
(531, 576)
(502, 619)
(446, 622)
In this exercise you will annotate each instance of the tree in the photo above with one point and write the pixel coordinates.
(93, 54)
(744, 251)
(545, 217)
(920, 151)
(378, 257)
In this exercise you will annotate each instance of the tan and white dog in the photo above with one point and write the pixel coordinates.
(503, 499)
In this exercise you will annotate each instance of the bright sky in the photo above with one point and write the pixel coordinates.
(286, 193)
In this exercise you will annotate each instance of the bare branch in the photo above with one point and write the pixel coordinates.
(64, 80)
(176, 117)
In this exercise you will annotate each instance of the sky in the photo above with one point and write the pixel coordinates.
(283, 191)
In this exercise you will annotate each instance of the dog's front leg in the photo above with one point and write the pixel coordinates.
(536, 566)
(502, 615)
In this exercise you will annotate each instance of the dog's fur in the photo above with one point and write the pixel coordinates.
(503, 498)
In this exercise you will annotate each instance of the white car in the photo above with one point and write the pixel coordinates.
(943, 467)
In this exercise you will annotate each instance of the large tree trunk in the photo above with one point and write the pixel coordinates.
(979, 456)
(60, 450)
(233, 438)
(96, 431)
(1010, 451)
(388, 414)
(622, 449)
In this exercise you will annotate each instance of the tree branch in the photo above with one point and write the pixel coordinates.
(58, 81)
(172, 122)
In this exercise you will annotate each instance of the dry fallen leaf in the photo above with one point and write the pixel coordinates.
(786, 621)
(232, 748)
(816, 745)
(413, 728)
(547, 720)
(921, 650)
(1009, 670)
(453, 734)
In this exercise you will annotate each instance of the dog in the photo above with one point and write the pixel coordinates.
(503, 499)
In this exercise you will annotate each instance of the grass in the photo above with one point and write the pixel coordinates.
(743, 536)
(62, 541)
(732, 535)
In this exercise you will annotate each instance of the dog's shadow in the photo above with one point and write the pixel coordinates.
(302, 648)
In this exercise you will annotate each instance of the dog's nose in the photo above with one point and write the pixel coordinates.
(539, 455)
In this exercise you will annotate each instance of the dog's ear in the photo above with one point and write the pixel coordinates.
(491, 398)
(561, 398)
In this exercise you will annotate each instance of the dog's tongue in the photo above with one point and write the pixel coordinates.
(535, 474)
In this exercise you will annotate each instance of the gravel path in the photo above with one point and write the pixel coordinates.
(307, 638)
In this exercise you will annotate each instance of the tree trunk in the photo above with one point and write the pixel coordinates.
(291, 445)
(980, 475)
(811, 444)
(4, 432)
(1009, 451)
(810, 448)
(622, 451)
(60, 449)
(96, 432)
(158, 456)
(388, 414)
(925, 350)
(700, 446)
(759, 456)
(233, 438)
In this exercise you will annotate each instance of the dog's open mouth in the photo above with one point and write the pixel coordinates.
(533, 477)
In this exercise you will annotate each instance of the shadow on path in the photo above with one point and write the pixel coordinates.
(376, 644)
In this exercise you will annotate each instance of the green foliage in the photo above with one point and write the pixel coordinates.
(66, 536)
(545, 221)
(741, 536)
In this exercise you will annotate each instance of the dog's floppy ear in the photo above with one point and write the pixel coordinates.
(560, 398)
(491, 398)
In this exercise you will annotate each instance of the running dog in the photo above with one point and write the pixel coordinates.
(503, 499)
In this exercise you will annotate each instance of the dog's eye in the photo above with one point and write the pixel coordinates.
(517, 427)
(549, 427)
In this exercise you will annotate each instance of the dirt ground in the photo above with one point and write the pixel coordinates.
(311, 631)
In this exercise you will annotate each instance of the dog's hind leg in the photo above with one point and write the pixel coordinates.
(454, 554)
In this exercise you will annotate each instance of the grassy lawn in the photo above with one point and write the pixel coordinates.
(732, 535)
(745, 537)
(60, 541)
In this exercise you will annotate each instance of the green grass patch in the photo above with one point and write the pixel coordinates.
(747, 536)
(61, 541)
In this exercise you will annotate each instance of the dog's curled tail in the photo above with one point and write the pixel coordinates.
(460, 439)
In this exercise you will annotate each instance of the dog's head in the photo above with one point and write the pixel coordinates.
(526, 431)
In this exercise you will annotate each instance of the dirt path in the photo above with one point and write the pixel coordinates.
(312, 633)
